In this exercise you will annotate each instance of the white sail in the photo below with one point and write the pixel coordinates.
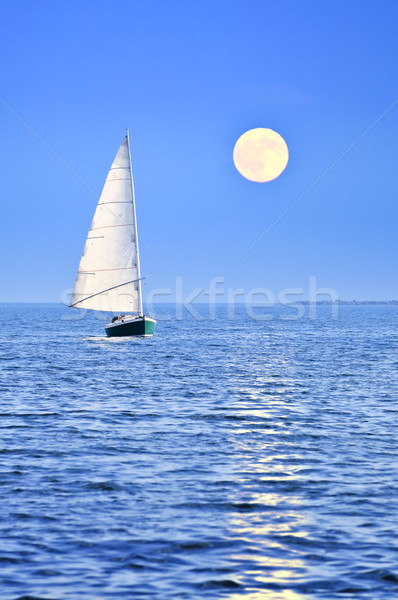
(108, 278)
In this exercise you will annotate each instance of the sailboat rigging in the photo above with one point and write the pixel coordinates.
(108, 277)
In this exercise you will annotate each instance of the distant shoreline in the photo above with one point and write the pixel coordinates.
(219, 303)
(352, 302)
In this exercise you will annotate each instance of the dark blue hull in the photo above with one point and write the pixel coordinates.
(141, 326)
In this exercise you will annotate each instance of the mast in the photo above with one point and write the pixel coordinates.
(140, 312)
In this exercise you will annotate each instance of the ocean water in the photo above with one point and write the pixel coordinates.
(219, 459)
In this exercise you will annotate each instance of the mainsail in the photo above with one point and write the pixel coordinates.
(108, 278)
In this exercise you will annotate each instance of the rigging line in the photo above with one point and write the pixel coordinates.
(103, 291)
(287, 211)
(48, 147)
(43, 143)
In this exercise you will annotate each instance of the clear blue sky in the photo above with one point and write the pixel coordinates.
(188, 78)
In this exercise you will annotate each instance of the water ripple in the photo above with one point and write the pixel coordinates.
(216, 460)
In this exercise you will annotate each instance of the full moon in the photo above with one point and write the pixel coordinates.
(260, 155)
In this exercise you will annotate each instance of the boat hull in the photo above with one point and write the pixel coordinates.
(131, 327)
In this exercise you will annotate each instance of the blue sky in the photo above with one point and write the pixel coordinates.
(188, 79)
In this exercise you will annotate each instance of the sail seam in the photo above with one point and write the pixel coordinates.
(98, 270)
(116, 202)
(108, 226)
(103, 291)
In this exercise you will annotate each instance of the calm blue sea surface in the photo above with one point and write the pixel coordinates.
(218, 459)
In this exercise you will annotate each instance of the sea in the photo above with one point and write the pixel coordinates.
(229, 456)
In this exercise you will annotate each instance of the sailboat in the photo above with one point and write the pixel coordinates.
(108, 278)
